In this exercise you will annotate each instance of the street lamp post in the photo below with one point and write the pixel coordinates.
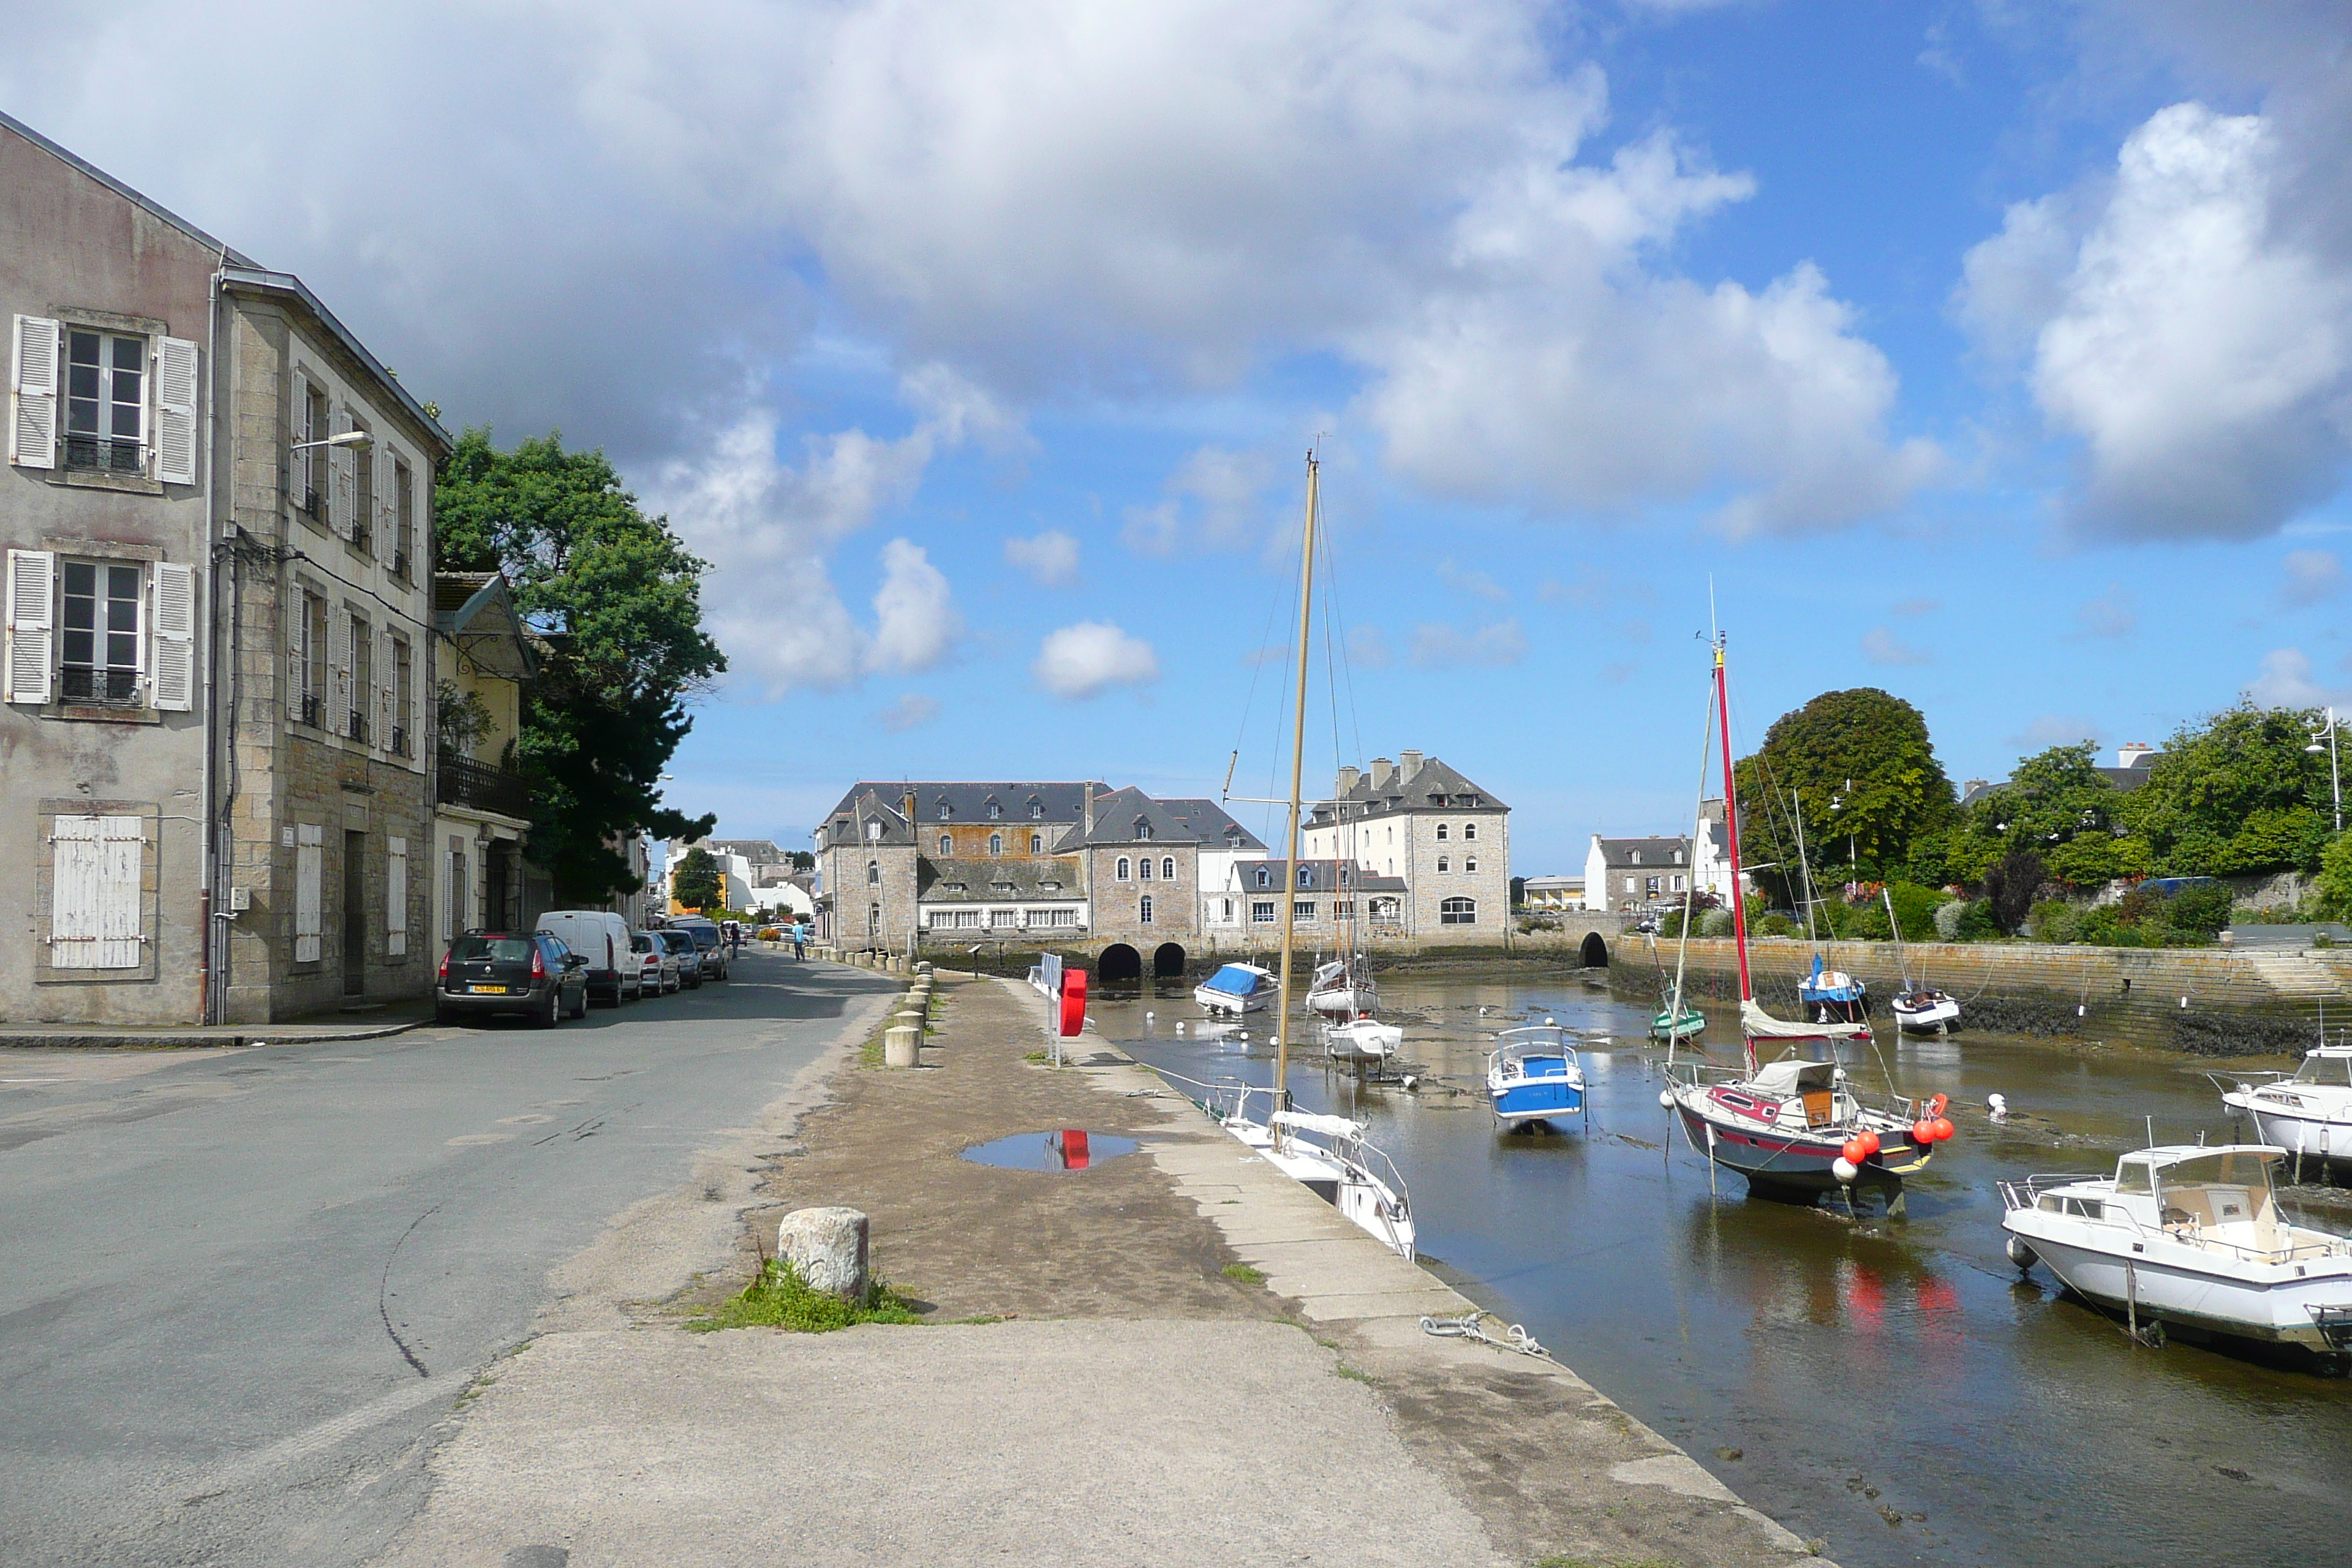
(2335, 772)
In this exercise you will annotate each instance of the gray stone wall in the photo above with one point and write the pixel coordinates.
(1116, 906)
(1489, 887)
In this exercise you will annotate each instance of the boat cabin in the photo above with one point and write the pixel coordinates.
(2329, 1065)
(1813, 1085)
(2193, 1192)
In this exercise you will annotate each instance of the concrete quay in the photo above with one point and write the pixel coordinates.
(1101, 1377)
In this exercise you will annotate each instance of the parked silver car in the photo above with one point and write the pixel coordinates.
(687, 955)
(658, 966)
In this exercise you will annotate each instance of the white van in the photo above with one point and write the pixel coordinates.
(603, 939)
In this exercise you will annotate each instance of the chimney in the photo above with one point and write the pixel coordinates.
(1408, 764)
(2133, 755)
(910, 804)
(1347, 777)
(1090, 810)
(1382, 771)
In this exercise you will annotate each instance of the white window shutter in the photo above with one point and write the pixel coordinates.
(384, 676)
(298, 665)
(175, 638)
(341, 472)
(308, 866)
(121, 854)
(32, 623)
(175, 411)
(95, 865)
(395, 895)
(338, 695)
(33, 386)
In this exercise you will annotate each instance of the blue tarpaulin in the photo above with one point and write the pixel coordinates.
(1234, 980)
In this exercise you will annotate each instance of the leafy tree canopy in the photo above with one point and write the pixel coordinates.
(1866, 781)
(2236, 793)
(697, 883)
(618, 599)
(2059, 807)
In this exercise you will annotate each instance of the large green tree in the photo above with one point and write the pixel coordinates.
(2236, 793)
(617, 599)
(2058, 808)
(1858, 769)
(697, 882)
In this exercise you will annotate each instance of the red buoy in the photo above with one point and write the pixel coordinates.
(1869, 1142)
(1942, 1128)
(1923, 1133)
(1853, 1152)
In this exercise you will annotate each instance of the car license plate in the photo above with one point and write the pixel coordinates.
(487, 990)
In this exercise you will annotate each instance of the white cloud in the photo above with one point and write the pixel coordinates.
(1440, 647)
(911, 711)
(1476, 583)
(1083, 661)
(1050, 558)
(2313, 576)
(770, 530)
(1881, 646)
(915, 617)
(1213, 500)
(2286, 682)
(2189, 323)
(1547, 366)
(2114, 614)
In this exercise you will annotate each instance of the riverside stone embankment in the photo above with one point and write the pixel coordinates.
(2211, 1002)
(1174, 1357)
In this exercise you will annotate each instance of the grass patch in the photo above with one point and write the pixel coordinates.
(779, 1298)
(1037, 1057)
(983, 1318)
(1351, 1373)
(1244, 1273)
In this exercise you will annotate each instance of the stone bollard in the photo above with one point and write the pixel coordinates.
(826, 1248)
(924, 967)
(902, 1045)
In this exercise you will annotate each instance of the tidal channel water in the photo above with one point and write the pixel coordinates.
(1860, 1368)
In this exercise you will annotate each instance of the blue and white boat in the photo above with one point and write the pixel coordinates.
(1236, 989)
(1836, 996)
(1533, 1075)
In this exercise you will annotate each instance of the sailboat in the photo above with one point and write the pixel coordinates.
(1918, 1009)
(1328, 1155)
(1797, 1123)
(1675, 1022)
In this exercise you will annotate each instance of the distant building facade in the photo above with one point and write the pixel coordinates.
(1443, 840)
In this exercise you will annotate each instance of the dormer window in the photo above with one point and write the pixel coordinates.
(1633, 858)
(1678, 857)
(995, 811)
(1142, 828)
(1232, 839)
(1265, 878)
(874, 829)
(1036, 812)
(944, 813)
(1307, 875)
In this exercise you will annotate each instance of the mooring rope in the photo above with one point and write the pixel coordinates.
(1471, 1326)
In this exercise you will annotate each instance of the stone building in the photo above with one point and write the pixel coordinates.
(217, 512)
(1421, 822)
(1633, 873)
(1331, 902)
(483, 655)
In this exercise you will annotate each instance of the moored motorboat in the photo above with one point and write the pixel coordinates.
(2308, 1114)
(2189, 1236)
(1236, 989)
(1670, 1023)
(1532, 1075)
(1362, 1041)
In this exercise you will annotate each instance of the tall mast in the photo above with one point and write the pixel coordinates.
(1731, 835)
(1298, 764)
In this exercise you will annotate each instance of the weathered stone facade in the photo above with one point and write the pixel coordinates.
(1421, 821)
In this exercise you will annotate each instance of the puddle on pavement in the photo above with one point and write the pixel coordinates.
(1068, 1149)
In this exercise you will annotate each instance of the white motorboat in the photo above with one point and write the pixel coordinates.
(2189, 1236)
(1343, 986)
(1925, 1011)
(2309, 1114)
(1361, 1040)
(1236, 989)
(1328, 1156)
(1532, 1075)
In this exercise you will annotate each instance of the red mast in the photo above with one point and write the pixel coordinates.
(1731, 829)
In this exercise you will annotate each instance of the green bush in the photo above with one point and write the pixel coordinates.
(1776, 924)
(1975, 922)
(1715, 923)
(779, 1298)
(2052, 920)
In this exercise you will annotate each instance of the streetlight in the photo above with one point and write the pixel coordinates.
(359, 438)
(2335, 772)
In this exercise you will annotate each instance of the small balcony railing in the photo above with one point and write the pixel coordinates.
(399, 746)
(104, 454)
(358, 729)
(462, 781)
(87, 686)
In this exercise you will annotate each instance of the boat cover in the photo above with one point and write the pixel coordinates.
(1758, 1024)
(1788, 1079)
(1329, 1126)
(1234, 980)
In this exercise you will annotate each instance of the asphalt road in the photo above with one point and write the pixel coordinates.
(240, 1291)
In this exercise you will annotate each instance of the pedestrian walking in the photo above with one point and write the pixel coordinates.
(800, 940)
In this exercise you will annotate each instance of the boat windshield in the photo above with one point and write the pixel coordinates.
(2330, 1068)
(1535, 1040)
(2248, 1168)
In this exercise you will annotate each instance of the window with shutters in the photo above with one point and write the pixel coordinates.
(106, 402)
(357, 678)
(309, 866)
(309, 471)
(98, 640)
(363, 512)
(403, 519)
(310, 661)
(395, 898)
(96, 902)
(400, 743)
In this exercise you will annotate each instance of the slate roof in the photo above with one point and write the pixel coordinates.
(871, 805)
(1064, 801)
(936, 876)
(1123, 817)
(1212, 825)
(1321, 877)
(1431, 787)
(476, 610)
(758, 851)
(1655, 852)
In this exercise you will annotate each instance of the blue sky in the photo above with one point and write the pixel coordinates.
(1997, 355)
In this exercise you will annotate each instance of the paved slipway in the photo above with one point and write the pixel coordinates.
(1109, 1395)
(243, 1291)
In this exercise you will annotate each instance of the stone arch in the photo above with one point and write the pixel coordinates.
(1118, 961)
(1595, 950)
(1168, 960)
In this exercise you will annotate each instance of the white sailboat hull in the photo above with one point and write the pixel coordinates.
(1935, 1018)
